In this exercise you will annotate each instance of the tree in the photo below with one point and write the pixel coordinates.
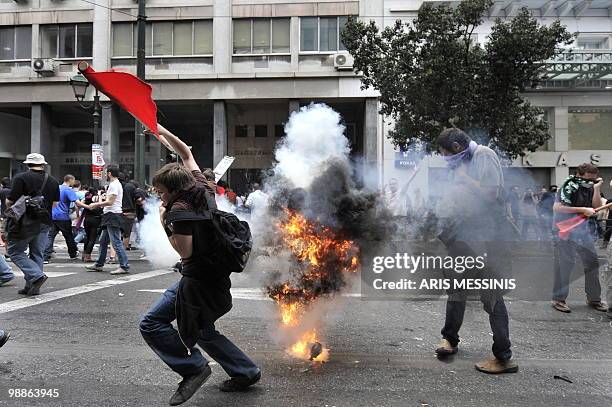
(431, 74)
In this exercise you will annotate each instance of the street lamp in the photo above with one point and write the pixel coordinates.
(79, 85)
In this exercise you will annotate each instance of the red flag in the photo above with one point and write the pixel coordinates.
(566, 226)
(129, 92)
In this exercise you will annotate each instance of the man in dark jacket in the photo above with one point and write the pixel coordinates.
(203, 293)
(34, 182)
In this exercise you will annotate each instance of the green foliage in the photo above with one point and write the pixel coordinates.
(431, 75)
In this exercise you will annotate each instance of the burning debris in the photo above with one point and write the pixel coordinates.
(321, 259)
(319, 218)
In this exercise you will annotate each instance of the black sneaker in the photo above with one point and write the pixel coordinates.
(35, 289)
(4, 338)
(239, 383)
(189, 385)
(24, 290)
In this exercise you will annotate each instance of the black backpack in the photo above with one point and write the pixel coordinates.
(232, 242)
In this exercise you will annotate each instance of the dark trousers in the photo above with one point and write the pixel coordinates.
(582, 245)
(498, 319)
(91, 234)
(156, 329)
(64, 226)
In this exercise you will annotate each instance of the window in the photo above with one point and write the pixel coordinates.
(15, 43)
(590, 129)
(592, 43)
(242, 130)
(261, 35)
(178, 38)
(261, 130)
(66, 41)
(321, 34)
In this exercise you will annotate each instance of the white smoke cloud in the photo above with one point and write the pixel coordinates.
(314, 136)
(153, 238)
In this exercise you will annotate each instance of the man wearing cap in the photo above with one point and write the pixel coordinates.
(35, 182)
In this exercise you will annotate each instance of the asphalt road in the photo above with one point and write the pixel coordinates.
(81, 337)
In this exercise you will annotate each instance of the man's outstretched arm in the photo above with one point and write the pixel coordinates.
(179, 147)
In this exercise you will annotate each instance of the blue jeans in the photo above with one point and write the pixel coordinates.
(156, 329)
(114, 235)
(6, 274)
(32, 265)
(498, 320)
(65, 227)
(565, 259)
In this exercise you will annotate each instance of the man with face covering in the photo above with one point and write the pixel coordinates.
(203, 293)
(474, 225)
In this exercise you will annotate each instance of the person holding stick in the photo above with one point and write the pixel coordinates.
(580, 194)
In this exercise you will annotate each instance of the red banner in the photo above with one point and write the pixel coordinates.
(129, 92)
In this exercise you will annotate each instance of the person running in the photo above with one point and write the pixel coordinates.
(579, 195)
(203, 293)
(475, 219)
(111, 224)
(61, 219)
(32, 235)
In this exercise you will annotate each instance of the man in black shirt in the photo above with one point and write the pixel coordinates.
(32, 183)
(128, 206)
(201, 296)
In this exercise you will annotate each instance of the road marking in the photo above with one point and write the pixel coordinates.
(69, 292)
(50, 274)
(255, 294)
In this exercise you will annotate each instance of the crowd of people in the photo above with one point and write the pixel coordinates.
(107, 216)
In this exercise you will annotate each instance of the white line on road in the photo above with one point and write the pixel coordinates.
(69, 292)
(50, 274)
(255, 294)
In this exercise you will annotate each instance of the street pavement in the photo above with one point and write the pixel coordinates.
(81, 337)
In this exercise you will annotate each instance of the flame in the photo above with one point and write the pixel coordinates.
(302, 349)
(321, 254)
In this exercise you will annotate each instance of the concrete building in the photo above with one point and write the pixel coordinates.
(227, 73)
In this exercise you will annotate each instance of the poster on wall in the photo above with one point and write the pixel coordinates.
(97, 161)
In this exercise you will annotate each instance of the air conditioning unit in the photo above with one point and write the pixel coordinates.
(343, 61)
(44, 66)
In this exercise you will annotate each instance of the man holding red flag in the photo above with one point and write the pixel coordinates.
(578, 195)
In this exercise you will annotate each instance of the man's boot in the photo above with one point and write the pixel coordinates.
(496, 366)
(445, 348)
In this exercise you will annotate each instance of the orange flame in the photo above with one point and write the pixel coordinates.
(319, 250)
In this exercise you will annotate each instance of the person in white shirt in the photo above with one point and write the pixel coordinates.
(257, 200)
(111, 223)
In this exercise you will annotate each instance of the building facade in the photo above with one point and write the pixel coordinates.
(226, 74)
